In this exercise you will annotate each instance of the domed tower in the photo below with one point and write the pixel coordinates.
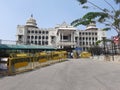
(31, 22)
(24, 31)
(92, 26)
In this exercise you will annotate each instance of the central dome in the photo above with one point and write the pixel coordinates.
(31, 22)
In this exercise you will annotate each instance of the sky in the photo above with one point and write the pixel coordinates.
(47, 13)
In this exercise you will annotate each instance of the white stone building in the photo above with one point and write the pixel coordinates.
(63, 36)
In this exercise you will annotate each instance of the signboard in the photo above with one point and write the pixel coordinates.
(116, 39)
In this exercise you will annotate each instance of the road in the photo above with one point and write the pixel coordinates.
(74, 74)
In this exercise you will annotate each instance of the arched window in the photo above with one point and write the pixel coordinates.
(46, 32)
(32, 37)
(32, 31)
(43, 32)
(43, 37)
(39, 32)
(46, 37)
(35, 37)
(39, 37)
(36, 32)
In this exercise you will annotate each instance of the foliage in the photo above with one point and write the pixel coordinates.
(104, 40)
(96, 50)
(110, 17)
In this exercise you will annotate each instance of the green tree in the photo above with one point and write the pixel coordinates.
(110, 17)
(105, 41)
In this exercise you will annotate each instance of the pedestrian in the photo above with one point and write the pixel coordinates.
(71, 54)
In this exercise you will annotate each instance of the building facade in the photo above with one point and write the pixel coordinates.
(62, 36)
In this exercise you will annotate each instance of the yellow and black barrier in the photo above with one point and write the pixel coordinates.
(85, 55)
(18, 63)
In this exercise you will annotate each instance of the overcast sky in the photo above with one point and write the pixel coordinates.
(48, 13)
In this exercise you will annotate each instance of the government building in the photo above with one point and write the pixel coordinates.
(62, 36)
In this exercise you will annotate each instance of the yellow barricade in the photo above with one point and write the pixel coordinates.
(41, 57)
(85, 55)
(20, 64)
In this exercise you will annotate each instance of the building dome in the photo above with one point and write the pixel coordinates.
(31, 22)
(92, 25)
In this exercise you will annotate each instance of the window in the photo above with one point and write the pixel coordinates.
(32, 42)
(32, 37)
(39, 42)
(28, 31)
(46, 37)
(36, 32)
(39, 32)
(28, 37)
(42, 42)
(79, 33)
(43, 32)
(20, 36)
(95, 33)
(43, 37)
(86, 43)
(46, 32)
(35, 37)
(65, 37)
(83, 38)
(52, 37)
(32, 31)
(89, 38)
(39, 37)
(35, 42)
(96, 38)
(79, 38)
(76, 39)
(46, 42)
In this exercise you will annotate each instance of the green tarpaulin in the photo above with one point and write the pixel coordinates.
(26, 47)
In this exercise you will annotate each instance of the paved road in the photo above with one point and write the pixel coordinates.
(70, 75)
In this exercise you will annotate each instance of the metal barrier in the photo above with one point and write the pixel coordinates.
(17, 63)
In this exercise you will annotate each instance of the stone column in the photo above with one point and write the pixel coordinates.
(62, 39)
(71, 37)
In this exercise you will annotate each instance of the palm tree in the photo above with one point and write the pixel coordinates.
(109, 17)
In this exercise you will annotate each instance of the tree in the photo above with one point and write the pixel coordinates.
(105, 41)
(110, 17)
